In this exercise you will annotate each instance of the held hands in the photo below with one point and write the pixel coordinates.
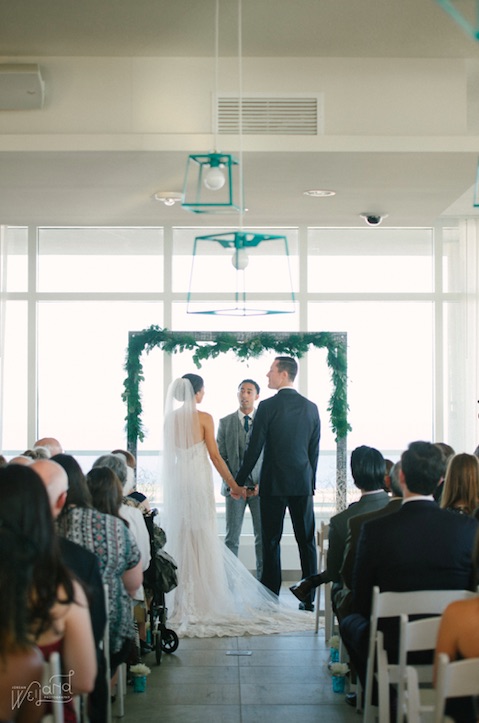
(237, 492)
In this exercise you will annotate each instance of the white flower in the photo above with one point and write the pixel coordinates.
(339, 668)
(140, 669)
(334, 641)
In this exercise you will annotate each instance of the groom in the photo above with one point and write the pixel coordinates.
(287, 426)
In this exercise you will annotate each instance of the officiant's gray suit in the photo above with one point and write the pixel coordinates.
(232, 442)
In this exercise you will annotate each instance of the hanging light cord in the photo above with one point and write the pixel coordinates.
(240, 108)
(217, 46)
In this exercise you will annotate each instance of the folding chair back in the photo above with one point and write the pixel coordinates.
(51, 679)
(416, 635)
(322, 543)
(454, 679)
(392, 605)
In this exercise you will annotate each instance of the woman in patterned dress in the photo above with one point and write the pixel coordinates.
(110, 539)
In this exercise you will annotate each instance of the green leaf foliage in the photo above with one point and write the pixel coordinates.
(248, 347)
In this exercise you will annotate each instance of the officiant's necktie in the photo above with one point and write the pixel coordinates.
(247, 420)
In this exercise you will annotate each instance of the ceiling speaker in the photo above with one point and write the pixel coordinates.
(21, 86)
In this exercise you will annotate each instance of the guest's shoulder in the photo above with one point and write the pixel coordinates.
(342, 516)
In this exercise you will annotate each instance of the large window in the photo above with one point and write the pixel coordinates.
(405, 297)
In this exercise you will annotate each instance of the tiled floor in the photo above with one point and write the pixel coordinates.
(282, 678)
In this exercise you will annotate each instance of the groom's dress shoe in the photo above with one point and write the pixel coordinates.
(306, 606)
(302, 590)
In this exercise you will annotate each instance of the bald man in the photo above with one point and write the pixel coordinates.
(50, 443)
(21, 459)
(55, 480)
(85, 566)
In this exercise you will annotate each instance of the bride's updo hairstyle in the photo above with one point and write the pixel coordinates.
(196, 382)
(187, 385)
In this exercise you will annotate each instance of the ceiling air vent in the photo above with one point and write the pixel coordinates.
(272, 116)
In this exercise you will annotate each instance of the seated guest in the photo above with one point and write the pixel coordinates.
(420, 547)
(368, 471)
(458, 637)
(37, 453)
(344, 598)
(21, 459)
(132, 496)
(85, 565)
(120, 566)
(447, 453)
(461, 484)
(21, 662)
(55, 605)
(106, 491)
(133, 516)
(50, 443)
(387, 476)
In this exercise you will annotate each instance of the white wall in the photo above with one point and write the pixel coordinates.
(133, 102)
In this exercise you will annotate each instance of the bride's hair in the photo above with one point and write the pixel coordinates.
(196, 382)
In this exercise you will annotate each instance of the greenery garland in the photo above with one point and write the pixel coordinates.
(296, 345)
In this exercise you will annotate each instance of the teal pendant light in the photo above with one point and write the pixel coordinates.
(236, 261)
(240, 260)
(471, 27)
(211, 183)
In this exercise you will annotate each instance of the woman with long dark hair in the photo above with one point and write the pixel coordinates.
(41, 603)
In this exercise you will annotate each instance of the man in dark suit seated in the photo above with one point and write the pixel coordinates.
(287, 427)
(367, 469)
(420, 547)
(343, 600)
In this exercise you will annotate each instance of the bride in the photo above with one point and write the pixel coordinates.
(216, 594)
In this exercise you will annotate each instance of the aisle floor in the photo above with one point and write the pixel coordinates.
(254, 679)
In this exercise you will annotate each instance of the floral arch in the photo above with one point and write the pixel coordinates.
(245, 345)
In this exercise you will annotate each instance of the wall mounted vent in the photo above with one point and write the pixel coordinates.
(291, 114)
(21, 86)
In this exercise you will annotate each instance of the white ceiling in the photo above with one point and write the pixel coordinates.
(271, 28)
(413, 188)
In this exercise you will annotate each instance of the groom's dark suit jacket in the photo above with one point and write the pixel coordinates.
(287, 426)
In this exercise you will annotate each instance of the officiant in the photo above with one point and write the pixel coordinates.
(234, 432)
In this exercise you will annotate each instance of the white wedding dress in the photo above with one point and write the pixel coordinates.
(216, 594)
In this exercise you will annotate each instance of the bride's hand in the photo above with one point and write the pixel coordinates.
(237, 492)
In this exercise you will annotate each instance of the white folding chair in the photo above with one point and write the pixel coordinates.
(392, 605)
(454, 679)
(322, 543)
(106, 652)
(415, 635)
(52, 678)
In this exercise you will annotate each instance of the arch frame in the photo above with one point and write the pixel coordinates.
(245, 345)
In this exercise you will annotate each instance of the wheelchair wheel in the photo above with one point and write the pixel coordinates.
(158, 645)
(169, 641)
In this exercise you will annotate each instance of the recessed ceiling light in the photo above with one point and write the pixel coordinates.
(319, 193)
(169, 198)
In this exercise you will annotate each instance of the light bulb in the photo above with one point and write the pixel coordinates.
(240, 259)
(214, 179)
